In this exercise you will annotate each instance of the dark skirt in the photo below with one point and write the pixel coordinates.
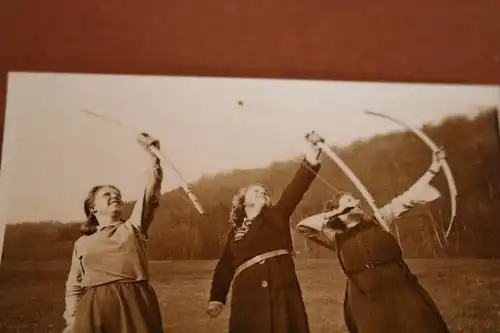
(268, 299)
(390, 299)
(130, 307)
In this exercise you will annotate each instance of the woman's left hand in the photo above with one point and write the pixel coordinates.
(438, 158)
(146, 141)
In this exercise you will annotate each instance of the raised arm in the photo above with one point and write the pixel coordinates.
(73, 290)
(301, 181)
(314, 229)
(421, 192)
(145, 208)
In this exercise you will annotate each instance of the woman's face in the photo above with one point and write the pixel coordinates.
(108, 201)
(257, 196)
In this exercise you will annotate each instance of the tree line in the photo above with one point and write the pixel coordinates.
(386, 164)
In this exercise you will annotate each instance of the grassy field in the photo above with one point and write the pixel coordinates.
(467, 292)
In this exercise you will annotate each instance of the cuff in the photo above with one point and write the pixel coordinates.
(314, 165)
(434, 172)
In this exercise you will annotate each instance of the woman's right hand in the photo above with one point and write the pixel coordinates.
(214, 309)
(147, 141)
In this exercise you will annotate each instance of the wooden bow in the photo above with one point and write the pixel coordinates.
(446, 168)
(186, 186)
(362, 189)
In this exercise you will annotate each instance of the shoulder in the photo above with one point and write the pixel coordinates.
(80, 242)
(81, 239)
(129, 228)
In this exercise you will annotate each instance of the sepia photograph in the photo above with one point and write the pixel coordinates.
(150, 204)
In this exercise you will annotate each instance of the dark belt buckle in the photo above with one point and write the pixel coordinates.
(369, 265)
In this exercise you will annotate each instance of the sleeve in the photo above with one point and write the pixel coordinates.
(421, 192)
(295, 190)
(223, 275)
(73, 289)
(145, 208)
(312, 228)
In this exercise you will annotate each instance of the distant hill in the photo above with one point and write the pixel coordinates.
(386, 164)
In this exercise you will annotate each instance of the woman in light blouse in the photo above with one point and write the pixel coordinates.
(107, 288)
(382, 294)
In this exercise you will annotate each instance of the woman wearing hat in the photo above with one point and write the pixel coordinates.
(266, 296)
(382, 294)
(107, 288)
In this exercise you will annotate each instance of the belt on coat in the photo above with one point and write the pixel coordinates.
(370, 265)
(259, 258)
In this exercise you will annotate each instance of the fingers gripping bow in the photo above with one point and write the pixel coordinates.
(435, 149)
(153, 146)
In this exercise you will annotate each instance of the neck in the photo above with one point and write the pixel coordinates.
(107, 219)
(252, 211)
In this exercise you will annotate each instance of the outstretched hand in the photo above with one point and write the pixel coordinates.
(314, 151)
(314, 138)
(440, 154)
(438, 158)
(146, 141)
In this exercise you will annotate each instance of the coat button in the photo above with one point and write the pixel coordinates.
(264, 284)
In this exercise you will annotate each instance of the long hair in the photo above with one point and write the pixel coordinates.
(91, 224)
(237, 213)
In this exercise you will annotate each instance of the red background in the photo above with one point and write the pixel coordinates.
(387, 40)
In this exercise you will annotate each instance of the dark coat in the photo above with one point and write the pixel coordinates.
(382, 294)
(266, 297)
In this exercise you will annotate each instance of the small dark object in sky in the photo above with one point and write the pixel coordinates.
(240, 103)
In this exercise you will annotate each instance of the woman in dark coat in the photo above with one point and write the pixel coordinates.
(107, 289)
(382, 294)
(266, 295)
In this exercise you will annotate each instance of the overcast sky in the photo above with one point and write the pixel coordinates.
(53, 154)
